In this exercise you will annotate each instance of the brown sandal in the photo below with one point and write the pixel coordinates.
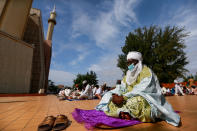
(46, 124)
(61, 123)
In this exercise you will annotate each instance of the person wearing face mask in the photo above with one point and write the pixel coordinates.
(139, 96)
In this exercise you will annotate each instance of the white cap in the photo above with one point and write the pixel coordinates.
(134, 55)
(84, 82)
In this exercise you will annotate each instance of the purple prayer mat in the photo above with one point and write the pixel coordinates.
(93, 118)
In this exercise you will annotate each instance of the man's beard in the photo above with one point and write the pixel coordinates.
(131, 76)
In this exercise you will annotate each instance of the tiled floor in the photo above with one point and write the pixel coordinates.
(25, 113)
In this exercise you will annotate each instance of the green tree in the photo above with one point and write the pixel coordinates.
(52, 87)
(90, 77)
(162, 50)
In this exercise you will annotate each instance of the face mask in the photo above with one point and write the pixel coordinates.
(131, 67)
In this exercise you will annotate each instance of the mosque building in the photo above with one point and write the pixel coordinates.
(25, 54)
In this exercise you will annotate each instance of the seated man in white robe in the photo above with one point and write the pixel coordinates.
(94, 88)
(139, 95)
(67, 92)
(87, 93)
(61, 93)
(178, 88)
(98, 92)
(76, 93)
(163, 90)
(168, 90)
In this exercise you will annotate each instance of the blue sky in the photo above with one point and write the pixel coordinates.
(90, 33)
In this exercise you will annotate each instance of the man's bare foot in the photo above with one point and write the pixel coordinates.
(125, 115)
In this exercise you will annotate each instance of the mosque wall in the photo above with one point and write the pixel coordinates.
(24, 54)
(2, 5)
(15, 64)
(34, 35)
(13, 16)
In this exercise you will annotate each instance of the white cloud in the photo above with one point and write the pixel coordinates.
(61, 77)
(123, 11)
(107, 70)
(95, 67)
(81, 56)
(57, 66)
(82, 50)
(82, 53)
(105, 28)
(187, 17)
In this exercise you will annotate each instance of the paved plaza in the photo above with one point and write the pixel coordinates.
(25, 113)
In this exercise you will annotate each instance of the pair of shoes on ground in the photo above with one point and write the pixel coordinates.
(57, 124)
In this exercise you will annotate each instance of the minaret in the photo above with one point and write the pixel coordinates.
(51, 22)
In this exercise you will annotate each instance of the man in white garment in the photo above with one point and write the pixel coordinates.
(178, 88)
(139, 95)
(67, 92)
(98, 92)
(94, 90)
(61, 93)
(168, 90)
(87, 93)
(163, 90)
(76, 93)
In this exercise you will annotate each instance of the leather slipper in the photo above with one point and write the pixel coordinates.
(46, 124)
(61, 123)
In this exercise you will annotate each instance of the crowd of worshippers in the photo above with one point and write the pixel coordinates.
(180, 89)
(86, 91)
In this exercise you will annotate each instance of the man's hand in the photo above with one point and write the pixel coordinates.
(118, 100)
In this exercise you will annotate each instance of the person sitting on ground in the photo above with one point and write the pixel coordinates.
(185, 90)
(139, 96)
(61, 95)
(172, 90)
(98, 92)
(178, 88)
(168, 90)
(168, 93)
(192, 86)
(87, 93)
(163, 90)
(76, 93)
(94, 88)
(67, 92)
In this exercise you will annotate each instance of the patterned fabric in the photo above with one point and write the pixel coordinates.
(143, 74)
(137, 107)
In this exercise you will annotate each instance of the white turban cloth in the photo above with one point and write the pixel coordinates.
(131, 76)
(84, 82)
(176, 82)
(134, 55)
